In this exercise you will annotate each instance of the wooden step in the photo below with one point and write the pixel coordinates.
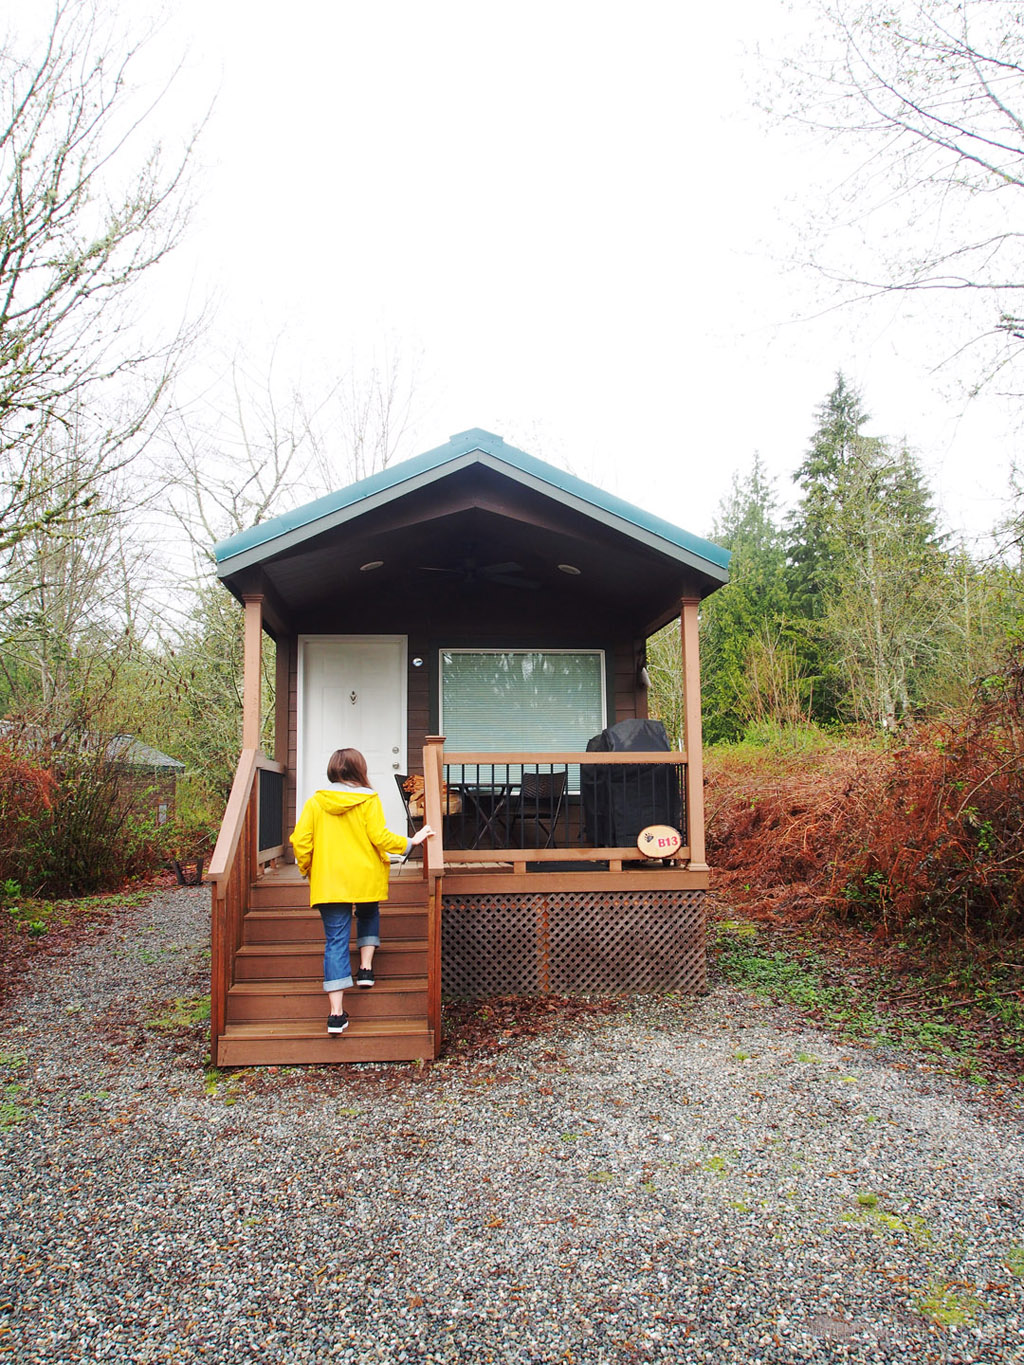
(293, 894)
(306, 926)
(254, 1002)
(305, 961)
(308, 1043)
(277, 1009)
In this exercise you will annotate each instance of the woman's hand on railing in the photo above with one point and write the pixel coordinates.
(425, 832)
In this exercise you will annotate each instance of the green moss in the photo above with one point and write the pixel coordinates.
(870, 1214)
(11, 1115)
(944, 1305)
(180, 1015)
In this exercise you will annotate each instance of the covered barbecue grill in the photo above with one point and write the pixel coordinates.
(620, 801)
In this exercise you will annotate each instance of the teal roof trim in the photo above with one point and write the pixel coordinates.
(258, 543)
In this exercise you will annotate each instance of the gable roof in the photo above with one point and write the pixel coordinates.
(132, 753)
(467, 448)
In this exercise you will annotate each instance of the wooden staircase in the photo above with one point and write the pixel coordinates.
(276, 1009)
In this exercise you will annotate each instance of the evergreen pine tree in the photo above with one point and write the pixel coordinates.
(835, 443)
(746, 667)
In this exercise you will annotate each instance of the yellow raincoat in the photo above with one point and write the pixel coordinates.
(342, 844)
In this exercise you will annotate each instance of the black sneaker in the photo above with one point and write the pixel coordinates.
(337, 1023)
(365, 977)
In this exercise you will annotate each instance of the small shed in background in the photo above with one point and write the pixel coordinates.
(147, 779)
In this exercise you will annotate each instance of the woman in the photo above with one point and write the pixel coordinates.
(342, 844)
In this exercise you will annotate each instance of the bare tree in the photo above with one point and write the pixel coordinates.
(73, 588)
(259, 445)
(368, 414)
(231, 464)
(925, 99)
(84, 214)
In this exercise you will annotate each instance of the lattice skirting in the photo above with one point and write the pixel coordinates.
(573, 943)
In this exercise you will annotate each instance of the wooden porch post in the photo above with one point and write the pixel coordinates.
(433, 776)
(252, 670)
(692, 735)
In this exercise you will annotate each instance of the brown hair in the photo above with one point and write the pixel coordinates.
(348, 765)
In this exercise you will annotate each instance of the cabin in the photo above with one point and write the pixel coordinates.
(475, 621)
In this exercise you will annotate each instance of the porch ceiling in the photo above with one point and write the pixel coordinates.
(628, 582)
(475, 534)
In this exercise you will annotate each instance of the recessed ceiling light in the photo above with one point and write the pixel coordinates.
(372, 564)
(570, 568)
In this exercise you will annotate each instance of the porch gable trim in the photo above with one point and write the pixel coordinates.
(474, 447)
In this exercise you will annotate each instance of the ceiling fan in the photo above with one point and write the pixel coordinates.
(509, 574)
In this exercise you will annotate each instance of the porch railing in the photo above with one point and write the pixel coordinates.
(532, 809)
(251, 834)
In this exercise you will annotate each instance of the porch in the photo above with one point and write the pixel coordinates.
(548, 911)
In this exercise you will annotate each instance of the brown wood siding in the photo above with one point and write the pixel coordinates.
(419, 701)
(293, 741)
(146, 793)
(625, 685)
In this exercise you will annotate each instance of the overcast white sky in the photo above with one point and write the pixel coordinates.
(570, 217)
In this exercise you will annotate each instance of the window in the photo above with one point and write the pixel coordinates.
(493, 700)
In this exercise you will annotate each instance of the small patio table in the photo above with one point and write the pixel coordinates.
(485, 803)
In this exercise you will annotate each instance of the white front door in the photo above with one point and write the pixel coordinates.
(352, 695)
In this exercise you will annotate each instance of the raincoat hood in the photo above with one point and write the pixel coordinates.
(338, 800)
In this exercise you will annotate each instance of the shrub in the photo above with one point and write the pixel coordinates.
(945, 846)
(79, 844)
(928, 836)
(27, 793)
(87, 834)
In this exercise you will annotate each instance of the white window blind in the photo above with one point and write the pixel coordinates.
(518, 699)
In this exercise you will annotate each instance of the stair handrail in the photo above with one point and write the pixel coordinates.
(233, 867)
(232, 825)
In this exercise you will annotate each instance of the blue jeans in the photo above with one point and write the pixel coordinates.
(337, 918)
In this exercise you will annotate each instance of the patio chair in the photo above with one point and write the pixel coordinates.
(451, 803)
(540, 801)
(402, 779)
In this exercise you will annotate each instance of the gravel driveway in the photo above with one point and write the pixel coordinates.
(705, 1182)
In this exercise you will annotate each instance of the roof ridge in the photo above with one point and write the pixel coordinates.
(455, 451)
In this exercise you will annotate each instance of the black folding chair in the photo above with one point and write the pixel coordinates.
(402, 779)
(540, 801)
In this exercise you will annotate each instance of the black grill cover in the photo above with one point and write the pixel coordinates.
(620, 801)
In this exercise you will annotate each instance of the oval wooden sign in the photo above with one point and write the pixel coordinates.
(659, 841)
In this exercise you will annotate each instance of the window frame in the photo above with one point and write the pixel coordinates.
(600, 654)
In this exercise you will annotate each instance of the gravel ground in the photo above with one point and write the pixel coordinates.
(705, 1182)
